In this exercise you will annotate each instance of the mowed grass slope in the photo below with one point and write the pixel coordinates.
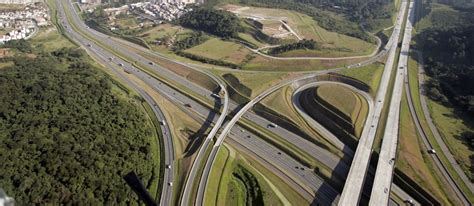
(370, 74)
(218, 49)
(413, 159)
(343, 103)
(225, 188)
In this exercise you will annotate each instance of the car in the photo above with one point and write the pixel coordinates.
(271, 125)
(120, 64)
(187, 105)
(163, 123)
(170, 184)
(89, 45)
(432, 151)
(215, 95)
(111, 58)
(409, 201)
(151, 63)
(168, 166)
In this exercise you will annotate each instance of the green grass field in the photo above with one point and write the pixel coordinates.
(340, 97)
(225, 189)
(450, 126)
(413, 159)
(45, 38)
(260, 63)
(370, 74)
(256, 82)
(218, 49)
(351, 104)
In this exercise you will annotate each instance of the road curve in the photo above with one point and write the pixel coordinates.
(88, 30)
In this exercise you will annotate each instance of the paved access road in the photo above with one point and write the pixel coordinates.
(384, 172)
(421, 131)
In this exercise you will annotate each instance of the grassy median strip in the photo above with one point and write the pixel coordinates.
(304, 158)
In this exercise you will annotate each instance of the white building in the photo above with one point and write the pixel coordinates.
(18, 1)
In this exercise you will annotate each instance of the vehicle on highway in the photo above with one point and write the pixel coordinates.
(168, 166)
(151, 63)
(187, 105)
(215, 95)
(271, 125)
(170, 184)
(432, 151)
(89, 45)
(163, 123)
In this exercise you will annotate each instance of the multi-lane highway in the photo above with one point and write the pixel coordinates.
(356, 177)
(298, 173)
(176, 96)
(386, 162)
(170, 93)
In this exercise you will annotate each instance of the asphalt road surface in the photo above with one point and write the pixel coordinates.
(386, 163)
(356, 177)
(171, 94)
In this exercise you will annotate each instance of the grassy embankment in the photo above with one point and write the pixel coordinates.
(370, 75)
(348, 105)
(450, 124)
(413, 159)
(227, 187)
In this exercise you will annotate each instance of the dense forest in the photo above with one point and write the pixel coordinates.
(448, 51)
(303, 44)
(66, 137)
(194, 39)
(218, 22)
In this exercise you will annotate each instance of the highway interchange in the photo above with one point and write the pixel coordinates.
(301, 178)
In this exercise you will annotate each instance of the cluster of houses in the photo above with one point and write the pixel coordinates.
(22, 23)
(167, 11)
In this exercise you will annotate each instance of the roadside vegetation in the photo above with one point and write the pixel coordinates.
(445, 36)
(72, 131)
(223, 29)
(370, 75)
(240, 180)
(414, 160)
